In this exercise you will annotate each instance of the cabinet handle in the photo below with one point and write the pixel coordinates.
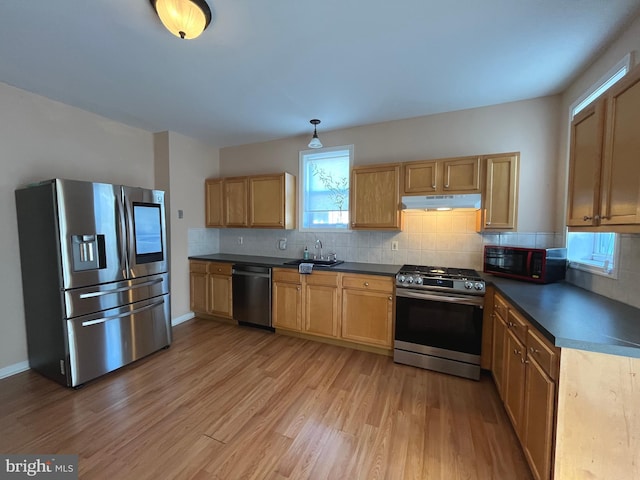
(587, 218)
(298, 288)
(366, 284)
(433, 186)
(488, 223)
(390, 297)
(219, 269)
(523, 361)
(446, 185)
(605, 217)
(533, 350)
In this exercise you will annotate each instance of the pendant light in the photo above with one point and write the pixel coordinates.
(184, 18)
(315, 141)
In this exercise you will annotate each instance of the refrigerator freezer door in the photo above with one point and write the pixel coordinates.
(97, 298)
(103, 342)
(91, 223)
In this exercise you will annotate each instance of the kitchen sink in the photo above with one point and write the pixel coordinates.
(316, 262)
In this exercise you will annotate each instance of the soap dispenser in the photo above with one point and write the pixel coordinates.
(305, 254)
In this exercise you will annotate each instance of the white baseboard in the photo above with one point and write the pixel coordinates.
(182, 319)
(13, 369)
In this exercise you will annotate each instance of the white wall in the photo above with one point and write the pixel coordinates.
(184, 163)
(530, 127)
(42, 139)
(625, 287)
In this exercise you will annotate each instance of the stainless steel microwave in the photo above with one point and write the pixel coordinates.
(539, 265)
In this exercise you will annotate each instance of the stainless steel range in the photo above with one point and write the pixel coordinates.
(439, 319)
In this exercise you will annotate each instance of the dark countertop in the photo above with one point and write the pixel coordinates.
(572, 317)
(351, 267)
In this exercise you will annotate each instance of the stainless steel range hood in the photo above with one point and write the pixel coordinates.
(441, 202)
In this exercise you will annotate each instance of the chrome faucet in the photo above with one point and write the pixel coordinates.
(319, 245)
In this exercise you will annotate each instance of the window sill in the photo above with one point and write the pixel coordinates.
(594, 269)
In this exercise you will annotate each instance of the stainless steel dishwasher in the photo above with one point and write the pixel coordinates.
(252, 295)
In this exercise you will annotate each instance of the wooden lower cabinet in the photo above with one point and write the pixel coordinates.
(321, 305)
(525, 368)
(211, 292)
(355, 308)
(367, 310)
(287, 305)
(514, 378)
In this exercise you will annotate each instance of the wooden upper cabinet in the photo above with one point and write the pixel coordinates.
(500, 205)
(620, 201)
(272, 201)
(604, 171)
(214, 202)
(235, 202)
(587, 129)
(375, 197)
(421, 177)
(451, 175)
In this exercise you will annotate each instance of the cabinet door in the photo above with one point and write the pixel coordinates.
(461, 175)
(498, 352)
(375, 197)
(220, 300)
(420, 177)
(198, 284)
(321, 310)
(538, 420)
(501, 192)
(587, 130)
(514, 374)
(367, 317)
(287, 305)
(266, 197)
(620, 203)
(235, 202)
(214, 202)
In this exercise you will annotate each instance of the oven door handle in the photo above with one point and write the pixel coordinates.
(461, 300)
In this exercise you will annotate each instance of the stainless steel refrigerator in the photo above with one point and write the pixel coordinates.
(95, 279)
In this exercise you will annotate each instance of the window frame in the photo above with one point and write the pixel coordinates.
(302, 182)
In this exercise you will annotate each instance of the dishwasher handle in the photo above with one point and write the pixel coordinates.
(251, 271)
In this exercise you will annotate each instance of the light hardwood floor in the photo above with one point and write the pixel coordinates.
(228, 402)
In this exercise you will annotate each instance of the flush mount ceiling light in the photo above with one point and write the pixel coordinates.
(184, 18)
(315, 141)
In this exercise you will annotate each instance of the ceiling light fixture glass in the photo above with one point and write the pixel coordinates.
(184, 18)
(315, 141)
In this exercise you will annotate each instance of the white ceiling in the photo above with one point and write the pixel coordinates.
(263, 68)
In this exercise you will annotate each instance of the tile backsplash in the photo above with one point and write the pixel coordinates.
(428, 238)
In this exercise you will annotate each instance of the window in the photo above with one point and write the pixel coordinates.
(593, 252)
(596, 252)
(324, 188)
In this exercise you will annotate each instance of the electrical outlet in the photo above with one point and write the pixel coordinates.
(180, 214)
(240, 240)
(394, 245)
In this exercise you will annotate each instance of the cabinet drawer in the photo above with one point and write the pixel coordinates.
(219, 268)
(500, 307)
(545, 354)
(518, 325)
(329, 279)
(285, 275)
(368, 282)
(197, 267)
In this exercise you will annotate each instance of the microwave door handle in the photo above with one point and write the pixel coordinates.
(529, 260)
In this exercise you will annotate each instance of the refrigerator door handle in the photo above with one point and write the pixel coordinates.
(88, 323)
(122, 236)
(121, 289)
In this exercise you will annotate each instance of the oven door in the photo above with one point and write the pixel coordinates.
(439, 324)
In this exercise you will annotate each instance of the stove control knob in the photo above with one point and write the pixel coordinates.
(479, 286)
(419, 281)
(409, 279)
(400, 278)
(468, 285)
